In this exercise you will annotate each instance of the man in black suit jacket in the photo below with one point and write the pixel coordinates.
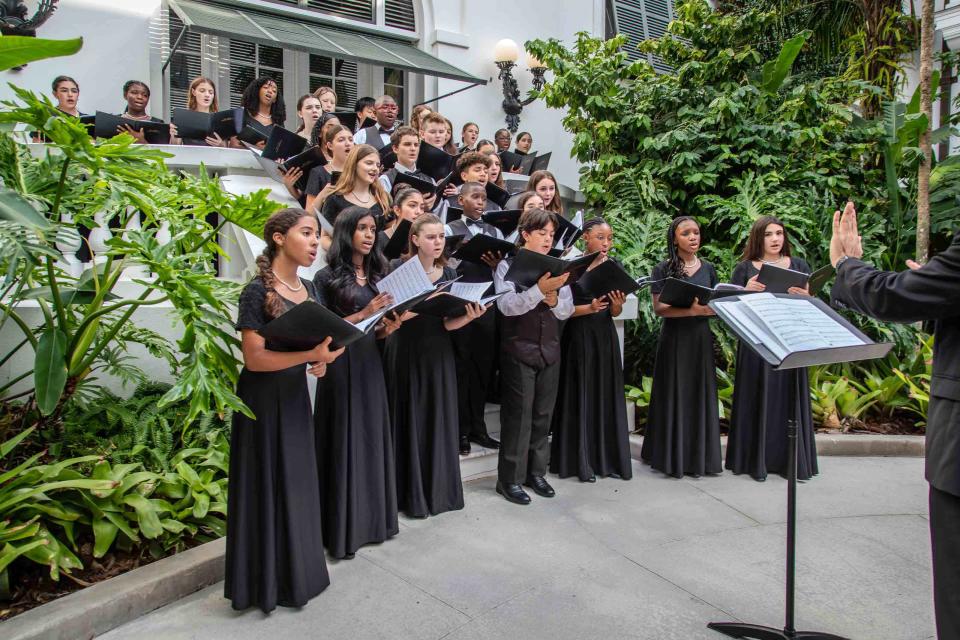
(928, 292)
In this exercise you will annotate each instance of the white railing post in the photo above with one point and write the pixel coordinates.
(68, 245)
(98, 238)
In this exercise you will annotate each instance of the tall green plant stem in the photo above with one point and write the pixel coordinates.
(51, 276)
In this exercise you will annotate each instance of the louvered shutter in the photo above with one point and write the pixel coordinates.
(641, 20)
(360, 10)
(400, 14)
(339, 74)
(185, 62)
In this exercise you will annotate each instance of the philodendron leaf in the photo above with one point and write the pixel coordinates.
(50, 369)
(16, 51)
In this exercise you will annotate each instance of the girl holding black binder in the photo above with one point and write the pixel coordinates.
(590, 434)
(761, 396)
(683, 425)
(354, 443)
(273, 514)
(422, 384)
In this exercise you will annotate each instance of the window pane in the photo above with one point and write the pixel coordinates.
(321, 65)
(271, 56)
(392, 76)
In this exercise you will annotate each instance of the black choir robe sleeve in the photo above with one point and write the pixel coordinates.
(929, 293)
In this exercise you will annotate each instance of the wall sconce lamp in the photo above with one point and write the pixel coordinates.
(505, 54)
(14, 20)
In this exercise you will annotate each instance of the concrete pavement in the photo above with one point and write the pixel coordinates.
(653, 558)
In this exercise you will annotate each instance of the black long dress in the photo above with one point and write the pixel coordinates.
(273, 504)
(422, 387)
(590, 435)
(354, 444)
(683, 425)
(758, 425)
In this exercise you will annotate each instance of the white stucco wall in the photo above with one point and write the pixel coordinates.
(116, 48)
(122, 40)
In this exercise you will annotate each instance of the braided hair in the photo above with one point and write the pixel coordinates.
(674, 261)
(280, 222)
(596, 221)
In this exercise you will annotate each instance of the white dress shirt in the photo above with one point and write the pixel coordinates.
(360, 137)
(517, 304)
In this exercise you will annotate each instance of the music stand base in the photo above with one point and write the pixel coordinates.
(741, 630)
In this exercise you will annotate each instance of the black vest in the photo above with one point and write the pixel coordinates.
(373, 137)
(532, 338)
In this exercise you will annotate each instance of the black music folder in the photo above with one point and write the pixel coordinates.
(820, 277)
(106, 125)
(398, 242)
(528, 266)
(283, 144)
(349, 120)
(778, 279)
(309, 323)
(435, 162)
(523, 162)
(497, 195)
(682, 293)
(607, 277)
(473, 249)
(253, 132)
(447, 305)
(505, 220)
(426, 187)
(388, 158)
(199, 125)
(540, 163)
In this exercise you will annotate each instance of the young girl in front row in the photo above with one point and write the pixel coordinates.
(354, 444)
(761, 396)
(422, 384)
(273, 513)
(683, 427)
(590, 434)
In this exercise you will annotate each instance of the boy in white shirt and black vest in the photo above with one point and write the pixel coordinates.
(529, 364)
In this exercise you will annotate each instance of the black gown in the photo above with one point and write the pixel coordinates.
(683, 425)
(590, 434)
(422, 386)
(273, 503)
(758, 425)
(354, 444)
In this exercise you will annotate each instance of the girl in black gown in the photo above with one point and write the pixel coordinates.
(758, 426)
(590, 435)
(422, 385)
(683, 427)
(273, 512)
(354, 444)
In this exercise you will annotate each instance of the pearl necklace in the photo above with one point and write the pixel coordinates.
(284, 283)
(688, 267)
(772, 261)
(369, 197)
(358, 273)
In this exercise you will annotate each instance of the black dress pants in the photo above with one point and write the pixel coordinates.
(527, 397)
(475, 352)
(945, 542)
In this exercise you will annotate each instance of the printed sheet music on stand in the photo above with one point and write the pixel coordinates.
(790, 332)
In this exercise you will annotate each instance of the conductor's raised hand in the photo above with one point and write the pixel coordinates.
(846, 236)
(492, 258)
(754, 285)
(323, 354)
(548, 283)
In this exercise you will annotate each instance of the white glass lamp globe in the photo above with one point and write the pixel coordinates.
(506, 50)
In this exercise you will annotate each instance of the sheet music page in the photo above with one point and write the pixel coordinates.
(472, 291)
(578, 219)
(798, 325)
(406, 281)
(753, 331)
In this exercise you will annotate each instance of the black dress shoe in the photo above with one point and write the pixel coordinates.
(590, 479)
(464, 446)
(486, 441)
(513, 493)
(540, 486)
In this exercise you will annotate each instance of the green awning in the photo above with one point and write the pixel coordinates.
(313, 36)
